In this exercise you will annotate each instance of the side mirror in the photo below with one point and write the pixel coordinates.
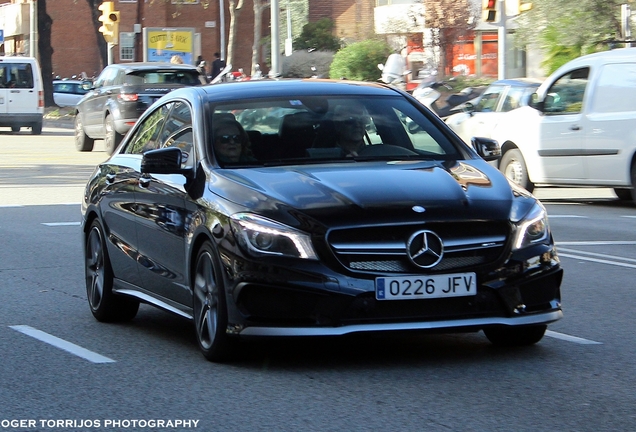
(536, 103)
(488, 149)
(162, 161)
(468, 107)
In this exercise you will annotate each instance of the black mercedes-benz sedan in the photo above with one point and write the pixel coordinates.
(314, 208)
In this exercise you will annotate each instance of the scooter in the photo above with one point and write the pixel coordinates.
(429, 96)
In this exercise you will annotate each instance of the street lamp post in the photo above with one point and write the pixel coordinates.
(33, 28)
(275, 24)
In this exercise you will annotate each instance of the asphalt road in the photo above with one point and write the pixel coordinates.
(62, 370)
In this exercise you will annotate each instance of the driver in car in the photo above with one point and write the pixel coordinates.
(350, 127)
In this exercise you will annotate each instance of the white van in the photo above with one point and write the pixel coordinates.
(21, 94)
(580, 128)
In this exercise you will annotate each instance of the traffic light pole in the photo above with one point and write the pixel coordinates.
(109, 52)
(502, 45)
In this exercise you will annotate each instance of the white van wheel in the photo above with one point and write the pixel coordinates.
(15, 129)
(514, 167)
(36, 129)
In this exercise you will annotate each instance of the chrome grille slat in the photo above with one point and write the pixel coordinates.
(383, 249)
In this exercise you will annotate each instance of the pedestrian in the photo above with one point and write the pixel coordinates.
(176, 59)
(217, 65)
(201, 67)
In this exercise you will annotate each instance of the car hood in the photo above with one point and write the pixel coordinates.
(359, 192)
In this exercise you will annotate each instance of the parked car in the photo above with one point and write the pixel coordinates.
(362, 212)
(67, 93)
(120, 94)
(579, 129)
(21, 94)
(491, 108)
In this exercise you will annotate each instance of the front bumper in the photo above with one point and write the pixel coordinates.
(285, 302)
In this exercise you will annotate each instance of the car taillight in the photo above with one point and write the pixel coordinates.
(40, 99)
(128, 97)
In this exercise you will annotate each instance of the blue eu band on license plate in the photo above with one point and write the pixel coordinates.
(423, 287)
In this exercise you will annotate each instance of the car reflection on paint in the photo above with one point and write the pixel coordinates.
(303, 234)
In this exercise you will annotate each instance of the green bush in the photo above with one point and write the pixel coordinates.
(359, 61)
(317, 36)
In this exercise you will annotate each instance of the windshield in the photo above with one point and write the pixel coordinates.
(320, 129)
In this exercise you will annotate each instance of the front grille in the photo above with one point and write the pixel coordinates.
(384, 249)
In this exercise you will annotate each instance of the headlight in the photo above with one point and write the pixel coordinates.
(261, 236)
(533, 228)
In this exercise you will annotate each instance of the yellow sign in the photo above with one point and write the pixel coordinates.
(162, 44)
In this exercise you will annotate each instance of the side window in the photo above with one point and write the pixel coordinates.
(177, 132)
(488, 102)
(146, 136)
(616, 89)
(420, 138)
(513, 99)
(565, 96)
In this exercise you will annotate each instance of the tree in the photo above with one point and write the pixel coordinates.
(318, 36)
(45, 51)
(259, 7)
(235, 11)
(565, 29)
(359, 61)
(448, 21)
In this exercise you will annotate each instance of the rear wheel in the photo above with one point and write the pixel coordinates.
(209, 307)
(112, 139)
(104, 304)
(514, 167)
(515, 336)
(15, 129)
(36, 129)
(83, 142)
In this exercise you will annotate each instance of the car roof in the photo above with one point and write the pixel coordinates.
(295, 87)
(140, 66)
(520, 82)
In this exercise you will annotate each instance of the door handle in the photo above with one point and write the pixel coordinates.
(575, 127)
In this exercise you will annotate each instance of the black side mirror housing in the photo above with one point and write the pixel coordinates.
(489, 149)
(162, 161)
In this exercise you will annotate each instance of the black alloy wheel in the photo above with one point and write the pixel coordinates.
(209, 307)
(82, 142)
(508, 336)
(112, 138)
(105, 305)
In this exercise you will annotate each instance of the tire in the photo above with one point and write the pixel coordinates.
(83, 142)
(209, 308)
(15, 129)
(112, 138)
(514, 167)
(623, 194)
(515, 336)
(104, 304)
(36, 129)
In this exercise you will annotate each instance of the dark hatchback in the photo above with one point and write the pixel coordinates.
(120, 94)
(299, 236)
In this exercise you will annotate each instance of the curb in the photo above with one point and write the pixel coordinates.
(58, 123)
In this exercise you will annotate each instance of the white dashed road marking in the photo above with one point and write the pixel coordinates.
(569, 338)
(53, 224)
(62, 344)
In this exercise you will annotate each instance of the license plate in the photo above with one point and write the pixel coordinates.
(425, 287)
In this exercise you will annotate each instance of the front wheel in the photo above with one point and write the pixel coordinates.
(515, 336)
(83, 142)
(112, 139)
(209, 306)
(105, 305)
(514, 167)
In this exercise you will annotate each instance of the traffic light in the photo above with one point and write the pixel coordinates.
(110, 22)
(489, 10)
